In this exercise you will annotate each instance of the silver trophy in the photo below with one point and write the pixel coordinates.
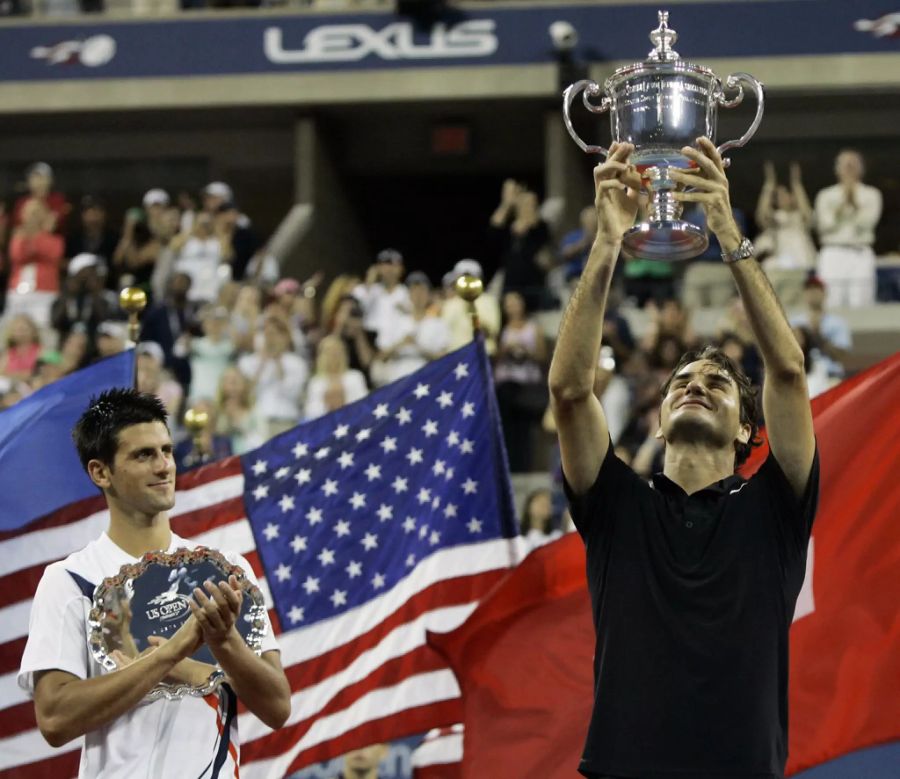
(661, 105)
(151, 598)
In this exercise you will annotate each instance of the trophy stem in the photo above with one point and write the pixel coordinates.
(663, 207)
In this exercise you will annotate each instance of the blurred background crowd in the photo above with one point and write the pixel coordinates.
(226, 331)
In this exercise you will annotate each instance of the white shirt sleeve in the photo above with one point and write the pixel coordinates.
(57, 630)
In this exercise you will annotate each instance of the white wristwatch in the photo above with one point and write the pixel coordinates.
(744, 251)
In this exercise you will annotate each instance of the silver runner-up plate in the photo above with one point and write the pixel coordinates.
(151, 598)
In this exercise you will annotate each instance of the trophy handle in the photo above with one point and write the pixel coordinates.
(591, 89)
(734, 81)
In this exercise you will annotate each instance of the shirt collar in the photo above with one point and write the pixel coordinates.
(725, 486)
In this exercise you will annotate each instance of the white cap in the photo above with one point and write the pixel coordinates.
(156, 197)
(113, 329)
(468, 267)
(86, 260)
(152, 349)
(219, 189)
(41, 168)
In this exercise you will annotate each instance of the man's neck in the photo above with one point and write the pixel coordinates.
(695, 466)
(139, 534)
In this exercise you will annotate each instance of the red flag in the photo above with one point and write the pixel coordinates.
(523, 658)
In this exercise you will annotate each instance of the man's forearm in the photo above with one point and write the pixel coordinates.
(261, 687)
(82, 705)
(578, 344)
(775, 339)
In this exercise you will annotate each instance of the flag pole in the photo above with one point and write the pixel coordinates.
(470, 288)
(133, 301)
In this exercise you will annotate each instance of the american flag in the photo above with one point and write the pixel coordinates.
(366, 528)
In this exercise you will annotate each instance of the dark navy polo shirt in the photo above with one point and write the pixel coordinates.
(692, 597)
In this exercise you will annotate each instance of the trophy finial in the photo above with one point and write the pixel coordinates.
(663, 38)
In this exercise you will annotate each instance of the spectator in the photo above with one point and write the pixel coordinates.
(670, 319)
(846, 216)
(523, 236)
(167, 321)
(246, 316)
(334, 384)
(209, 354)
(187, 206)
(348, 326)
(156, 205)
(48, 368)
(39, 180)
(22, 347)
(519, 374)
(334, 296)
(205, 255)
(235, 416)
(138, 251)
(363, 763)
(827, 336)
(111, 338)
(455, 310)
(85, 300)
(540, 522)
(212, 444)
(77, 349)
(155, 380)
(295, 309)
(92, 234)
(708, 282)
(785, 244)
(278, 377)
(239, 235)
(415, 339)
(35, 258)
(383, 296)
(576, 244)
(215, 195)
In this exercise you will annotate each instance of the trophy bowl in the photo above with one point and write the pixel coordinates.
(661, 105)
(151, 598)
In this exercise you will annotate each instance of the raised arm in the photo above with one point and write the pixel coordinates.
(764, 204)
(785, 395)
(580, 422)
(800, 196)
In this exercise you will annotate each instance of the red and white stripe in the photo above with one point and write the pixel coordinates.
(363, 677)
(439, 756)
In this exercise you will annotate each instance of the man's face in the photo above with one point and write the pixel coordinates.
(142, 476)
(848, 167)
(38, 184)
(390, 272)
(703, 405)
(420, 295)
(815, 296)
(93, 218)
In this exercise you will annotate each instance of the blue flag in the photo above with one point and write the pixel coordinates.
(39, 467)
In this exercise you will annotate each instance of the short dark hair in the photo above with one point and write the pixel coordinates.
(96, 434)
(746, 391)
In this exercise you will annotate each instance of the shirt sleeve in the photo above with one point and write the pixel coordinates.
(615, 484)
(793, 516)
(268, 642)
(57, 637)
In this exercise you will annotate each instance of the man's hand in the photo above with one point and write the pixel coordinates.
(710, 187)
(617, 185)
(217, 613)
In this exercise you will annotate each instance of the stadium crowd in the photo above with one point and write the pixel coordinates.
(260, 351)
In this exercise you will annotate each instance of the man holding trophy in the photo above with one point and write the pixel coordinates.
(693, 576)
(144, 704)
